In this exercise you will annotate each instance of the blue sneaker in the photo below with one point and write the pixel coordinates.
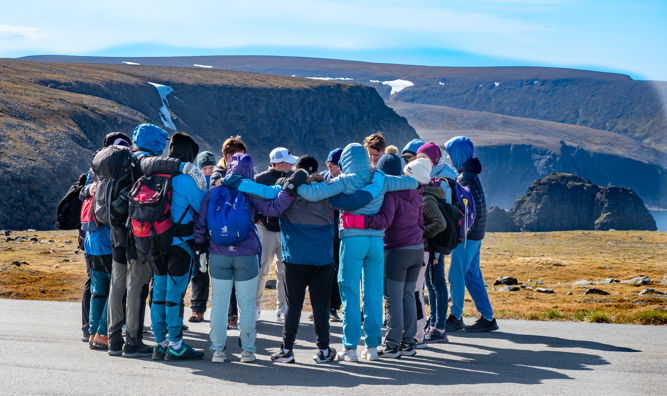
(185, 352)
(159, 352)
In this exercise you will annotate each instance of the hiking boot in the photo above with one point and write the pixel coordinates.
(370, 354)
(247, 357)
(85, 338)
(408, 349)
(389, 351)
(91, 338)
(115, 349)
(454, 324)
(101, 342)
(333, 316)
(185, 352)
(482, 325)
(283, 356)
(138, 350)
(322, 358)
(185, 327)
(280, 314)
(219, 356)
(196, 317)
(435, 336)
(348, 355)
(159, 352)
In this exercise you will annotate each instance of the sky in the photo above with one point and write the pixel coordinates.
(619, 36)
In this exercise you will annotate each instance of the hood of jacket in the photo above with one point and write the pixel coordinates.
(412, 146)
(471, 165)
(354, 160)
(150, 138)
(241, 164)
(460, 150)
(116, 138)
(183, 147)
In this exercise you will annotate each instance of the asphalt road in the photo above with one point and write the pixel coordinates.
(41, 353)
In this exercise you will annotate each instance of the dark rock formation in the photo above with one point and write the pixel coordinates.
(562, 202)
(596, 291)
(505, 280)
(498, 220)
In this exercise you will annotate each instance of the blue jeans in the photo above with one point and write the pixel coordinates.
(100, 279)
(464, 273)
(240, 272)
(361, 259)
(437, 291)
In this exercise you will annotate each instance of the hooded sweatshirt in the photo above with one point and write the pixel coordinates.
(356, 174)
(461, 150)
(240, 164)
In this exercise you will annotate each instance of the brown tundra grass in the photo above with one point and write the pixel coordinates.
(553, 260)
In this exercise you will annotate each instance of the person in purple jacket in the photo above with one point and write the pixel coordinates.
(401, 217)
(238, 265)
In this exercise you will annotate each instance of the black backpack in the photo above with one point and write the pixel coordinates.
(113, 168)
(445, 241)
(68, 213)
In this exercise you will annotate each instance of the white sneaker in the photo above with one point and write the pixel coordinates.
(348, 355)
(370, 354)
(280, 314)
(258, 311)
(219, 357)
(247, 357)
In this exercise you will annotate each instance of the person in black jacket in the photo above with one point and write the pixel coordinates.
(268, 230)
(464, 271)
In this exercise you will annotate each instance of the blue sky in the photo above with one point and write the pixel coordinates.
(623, 36)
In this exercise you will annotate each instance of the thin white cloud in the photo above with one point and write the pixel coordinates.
(19, 33)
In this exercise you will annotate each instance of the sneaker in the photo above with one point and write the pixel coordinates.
(232, 321)
(247, 357)
(280, 314)
(123, 330)
(482, 325)
(219, 356)
(388, 351)
(435, 336)
(159, 352)
(420, 344)
(196, 317)
(454, 324)
(348, 355)
(333, 316)
(85, 338)
(115, 350)
(258, 311)
(408, 349)
(185, 352)
(185, 327)
(91, 338)
(101, 342)
(321, 358)
(283, 356)
(370, 354)
(135, 351)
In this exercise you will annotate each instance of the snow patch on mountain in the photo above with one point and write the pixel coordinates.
(131, 63)
(396, 85)
(332, 78)
(203, 66)
(165, 114)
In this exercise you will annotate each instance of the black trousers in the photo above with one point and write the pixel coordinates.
(85, 302)
(200, 286)
(334, 300)
(317, 278)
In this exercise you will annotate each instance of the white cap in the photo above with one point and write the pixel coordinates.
(419, 169)
(281, 154)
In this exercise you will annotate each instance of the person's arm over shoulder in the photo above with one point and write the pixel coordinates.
(318, 191)
(397, 183)
(434, 220)
(194, 195)
(383, 219)
(260, 190)
(154, 164)
(272, 207)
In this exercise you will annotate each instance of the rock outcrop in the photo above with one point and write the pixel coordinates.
(562, 202)
(498, 220)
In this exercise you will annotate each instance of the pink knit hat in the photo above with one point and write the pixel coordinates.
(432, 151)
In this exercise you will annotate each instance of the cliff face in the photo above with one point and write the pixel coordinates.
(563, 202)
(54, 116)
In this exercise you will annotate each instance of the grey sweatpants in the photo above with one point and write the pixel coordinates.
(138, 275)
(401, 269)
(116, 307)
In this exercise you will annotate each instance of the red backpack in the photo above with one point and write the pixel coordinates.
(88, 221)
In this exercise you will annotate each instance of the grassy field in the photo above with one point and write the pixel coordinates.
(46, 265)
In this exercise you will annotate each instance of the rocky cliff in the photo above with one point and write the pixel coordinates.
(562, 202)
(54, 116)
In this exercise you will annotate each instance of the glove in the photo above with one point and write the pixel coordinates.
(193, 171)
(377, 182)
(294, 181)
(350, 220)
(232, 181)
(203, 263)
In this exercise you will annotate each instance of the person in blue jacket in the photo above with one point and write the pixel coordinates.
(361, 251)
(464, 271)
(172, 271)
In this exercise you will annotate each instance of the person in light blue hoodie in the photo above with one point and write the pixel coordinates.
(361, 251)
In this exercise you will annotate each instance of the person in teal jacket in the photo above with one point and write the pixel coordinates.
(361, 251)
(171, 273)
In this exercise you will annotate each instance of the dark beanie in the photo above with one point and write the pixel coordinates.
(334, 156)
(183, 147)
(205, 158)
(308, 163)
(391, 164)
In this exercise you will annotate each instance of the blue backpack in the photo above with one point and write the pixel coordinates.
(462, 197)
(229, 218)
